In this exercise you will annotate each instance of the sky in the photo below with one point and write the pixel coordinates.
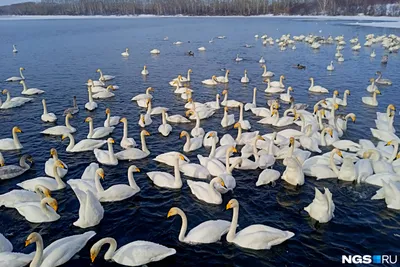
(9, 2)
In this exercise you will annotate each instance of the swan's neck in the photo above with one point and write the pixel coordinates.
(233, 166)
(270, 147)
(344, 101)
(149, 108)
(44, 107)
(225, 118)
(281, 81)
(90, 94)
(226, 75)
(232, 229)
(388, 112)
(394, 153)
(187, 144)
(37, 259)
(55, 156)
(164, 119)
(183, 227)
(319, 117)
(217, 101)
(16, 140)
(24, 86)
(312, 83)
(97, 183)
(212, 189)
(197, 119)
(213, 148)
(71, 142)
(22, 75)
(322, 137)
(90, 128)
(131, 180)
(59, 181)
(74, 103)
(177, 173)
(225, 97)
(111, 154)
(291, 151)
(8, 99)
(228, 152)
(108, 120)
(144, 145)
(111, 250)
(125, 130)
(101, 75)
(67, 122)
(23, 164)
(254, 96)
(188, 76)
(239, 135)
(241, 113)
(265, 70)
(374, 97)
(332, 163)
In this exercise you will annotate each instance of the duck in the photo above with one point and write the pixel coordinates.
(60, 130)
(12, 171)
(371, 101)
(145, 71)
(245, 79)
(267, 74)
(229, 103)
(205, 233)
(17, 79)
(238, 59)
(72, 110)
(256, 236)
(49, 165)
(212, 81)
(38, 212)
(135, 153)
(91, 105)
(126, 53)
(90, 210)
(322, 207)
(286, 97)
(11, 143)
(141, 99)
(106, 157)
(166, 180)
(14, 101)
(30, 91)
(206, 191)
(191, 143)
(46, 116)
(316, 88)
(99, 132)
(165, 128)
(227, 120)
(137, 253)
(104, 78)
(223, 79)
(330, 67)
(105, 94)
(19, 196)
(83, 145)
(58, 252)
(155, 51)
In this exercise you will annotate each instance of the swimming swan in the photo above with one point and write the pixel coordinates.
(11, 143)
(322, 206)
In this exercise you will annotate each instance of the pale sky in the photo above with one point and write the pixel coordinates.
(8, 2)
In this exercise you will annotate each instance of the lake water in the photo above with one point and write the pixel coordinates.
(60, 55)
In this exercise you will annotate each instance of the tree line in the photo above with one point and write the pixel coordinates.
(205, 7)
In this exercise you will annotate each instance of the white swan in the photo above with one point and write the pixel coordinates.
(52, 184)
(30, 91)
(371, 101)
(60, 130)
(262, 60)
(229, 103)
(267, 74)
(267, 176)
(105, 94)
(238, 59)
(245, 79)
(205, 233)
(47, 117)
(19, 196)
(227, 120)
(164, 128)
(372, 87)
(91, 104)
(316, 88)
(58, 252)
(293, 173)
(126, 53)
(244, 123)
(286, 97)
(15, 49)
(38, 212)
(155, 51)
(11, 143)
(72, 110)
(99, 132)
(197, 131)
(90, 210)
(17, 79)
(272, 90)
(141, 99)
(206, 191)
(14, 101)
(322, 206)
(212, 81)
(223, 79)
(191, 143)
(176, 118)
(166, 180)
(137, 253)
(330, 67)
(279, 83)
(111, 120)
(104, 78)
(194, 170)
(83, 145)
(126, 142)
(256, 236)
(106, 157)
(145, 72)
(49, 165)
(5, 245)
(135, 153)
(169, 158)
(253, 104)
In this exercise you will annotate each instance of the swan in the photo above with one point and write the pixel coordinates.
(298, 106)
(104, 78)
(346, 145)
(145, 72)
(256, 236)
(52, 184)
(60, 130)
(212, 81)
(47, 117)
(223, 79)
(13, 102)
(38, 212)
(244, 123)
(191, 143)
(262, 60)
(15, 49)
(213, 165)
(229, 103)
(137, 253)
(279, 83)
(264, 112)
(205, 233)
(176, 118)
(105, 94)
(49, 165)
(293, 173)
(379, 165)
(12, 171)
(340, 59)
(106, 157)
(11, 143)
(111, 120)
(371, 101)
(347, 171)
(118, 192)
(164, 129)
(267, 74)
(83, 145)
(91, 105)
(126, 53)
(206, 191)
(277, 121)
(309, 143)
(141, 99)
(5, 245)
(90, 210)
(156, 110)
(155, 51)
(183, 79)
(135, 153)
(30, 91)
(322, 206)
(252, 105)
(386, 116)
(238, 59)
(201, 49)
(379, 80)
(74, 109)
(243, 138)
(17, 79)
(316, 88)
(330, 67)
(18, 196)
(272, 90)
(226, 175)
(390, 191)
(58, 252)
(88, 180)
(267, 176)
(126, 142)
(373, 54)
(372, 87)
(227, 120)
(286, 97)
(197, 131)
(166, 180)
(245, 79)
(343, 102)
(169, 158)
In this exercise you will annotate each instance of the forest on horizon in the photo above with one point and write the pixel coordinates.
(205, 7)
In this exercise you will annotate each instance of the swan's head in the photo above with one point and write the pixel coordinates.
(53, 152)
(366, 155)
(232, 149)
(211, 134)
(226, 109)
(190, 71)
(59, 164)
(338, 152)
(123, 120)
(218, 96)
(173, 211)
(151, 88)
(98, 70)
(88, 119)
(224, 92)
(245, 71)
(52, 203)
(214, 77)
(228, 71)
(144, 67)
(110, 141)
(392, 107)
(347, 92)
(133, 168)
(189, 112)
(378, 92)
(311, 79)
(336, 92)
(378, 72)
(183, 133)
(390, 143)
(145, 133)
(371, 80)
(233, 203)
(237, 125)
(4, 92)
(16, 130)
(46, 192)
(353, 117)
(335, 106)
(274, 112)
(291, 141)
(69, 116)
(290, 88)
(296, 116)
(21, 82)
(148, 102)
(111, 87)
(282, 77)
(108, 110)
(100, 173)
(32, 238)
(398, 156)
(220, 180)
(329, 131)
(259, 137)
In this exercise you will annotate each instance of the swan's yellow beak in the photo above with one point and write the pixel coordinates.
(378, 92)
(260, 138)
(146, 133)
(181, 157)
(27, 242)
(46, 191)
(222, 183)
(189, 112)
(182, 134)
(87, 119)
(237, 125)
(54, 204)
(122, 120)
(398, 156)
(233, 149)
(171, 212)
(18, 130)
(330, 132)
(92, 256)
(60, 165)
(224, 92)
(5, 91)
(389, 143)
(108, 111)
(353, 118)
(339, 153)
(137, 170)
(229, 205)
(291, 89)
(112, 141)
(101, 174)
